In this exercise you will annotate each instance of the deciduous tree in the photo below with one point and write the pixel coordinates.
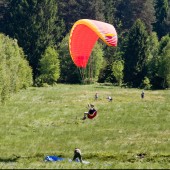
(49, 66)
(15, 72)
(117, 68)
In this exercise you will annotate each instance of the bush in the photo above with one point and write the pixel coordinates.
(146, 83)
(15, 72)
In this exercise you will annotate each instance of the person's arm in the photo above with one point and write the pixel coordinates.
(88, 107)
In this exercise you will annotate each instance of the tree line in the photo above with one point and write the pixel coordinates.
(42, 29)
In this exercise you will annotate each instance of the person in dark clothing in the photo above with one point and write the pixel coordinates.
(77, 155)
(91, 111)
(96, 96)
(142, 94)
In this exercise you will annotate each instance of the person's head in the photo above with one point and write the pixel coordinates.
(76, 150)
(91, 105)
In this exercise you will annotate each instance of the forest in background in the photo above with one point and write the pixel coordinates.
(41, 29)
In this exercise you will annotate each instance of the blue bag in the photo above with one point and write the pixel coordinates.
(53, 158)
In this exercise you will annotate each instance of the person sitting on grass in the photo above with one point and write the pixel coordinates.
(109, 98)
(77, 155)
(90, 112)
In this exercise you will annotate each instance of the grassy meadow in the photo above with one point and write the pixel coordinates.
(47, 121)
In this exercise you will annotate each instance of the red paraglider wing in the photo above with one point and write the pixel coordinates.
(83, 37)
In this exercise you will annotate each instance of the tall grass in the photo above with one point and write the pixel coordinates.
(47, 121)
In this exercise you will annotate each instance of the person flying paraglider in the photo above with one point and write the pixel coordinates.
(91, 113)
(83, 36)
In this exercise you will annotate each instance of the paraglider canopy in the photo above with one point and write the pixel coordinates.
(83, 36)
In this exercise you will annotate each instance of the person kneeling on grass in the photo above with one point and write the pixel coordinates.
(90, 112)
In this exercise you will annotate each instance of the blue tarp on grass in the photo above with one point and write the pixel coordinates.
(56, 158)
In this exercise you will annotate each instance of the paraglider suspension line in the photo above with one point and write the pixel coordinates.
(82, 73)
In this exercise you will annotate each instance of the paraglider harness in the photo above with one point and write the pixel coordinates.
(92, 113)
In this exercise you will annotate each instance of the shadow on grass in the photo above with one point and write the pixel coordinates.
(130, 158)
(16, 158)
(13, 159)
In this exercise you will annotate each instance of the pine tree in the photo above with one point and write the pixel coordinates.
(161, 8)
(3, 8)
(72, 10)
(136, 54)
(98, 8)
(110, 10)
(130, 10)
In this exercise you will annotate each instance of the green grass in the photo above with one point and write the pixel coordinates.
(47, 121)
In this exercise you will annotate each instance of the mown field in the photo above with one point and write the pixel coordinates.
(47, 121)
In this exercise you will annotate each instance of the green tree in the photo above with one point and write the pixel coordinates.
(49, 66)
(164, 69)
(35, 25)
(117, 68)
(110, 55)
(25, 77)
(161, 8)
(128, 11)
(3, 7)
(15, 72)
(98, 8)
(135, 56)
(153, 60)
(163, 43)
(146, 83)
(167, 22)
(157, 69)
(69, 72)
(72, 10)
(110, 11)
